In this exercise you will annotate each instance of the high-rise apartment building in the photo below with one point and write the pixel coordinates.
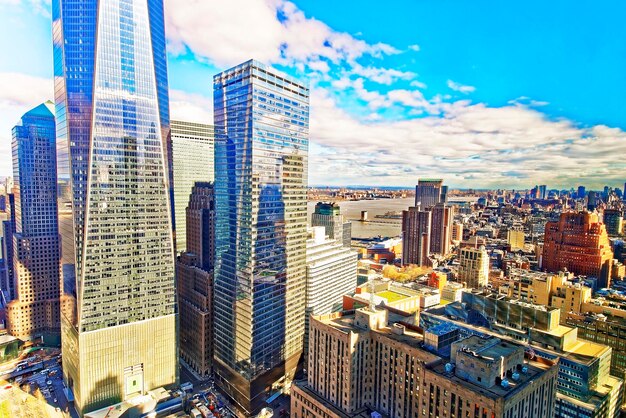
(114, 145)
(614, 221)
(329, 216)
(261, 146)
(331, 272)
(428, 192)
(441, 229)
(367, 364)
(192, 160)
(542, 191)
(416, 225)
(36, 251)
(194, 277)
(578, 242)
(474, 267)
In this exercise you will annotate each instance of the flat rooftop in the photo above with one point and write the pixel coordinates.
(534, 370)
(583, 351)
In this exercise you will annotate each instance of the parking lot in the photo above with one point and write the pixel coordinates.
(43, 378)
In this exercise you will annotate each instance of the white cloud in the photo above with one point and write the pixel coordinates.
(460, 87)
(190, 107)
(471, 144)
(19, 94)
(414, 47)
(273, 31)
(41, 7)
(382, 75)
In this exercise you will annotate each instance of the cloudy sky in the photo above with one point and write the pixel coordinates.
(481, 93)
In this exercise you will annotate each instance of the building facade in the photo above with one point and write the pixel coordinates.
(261, 146)
(194, 278)
(193, 161)
(585, 387)
(429, 192)
(35, 243)
(362, 364)
(329, 216)
(8, 229)
(200, 224)
(515, 238)
(331, 272)
(114, 148)
(614, 221)
(416, 225)
(579, 243)
(195, 307)
(441, 229)
(474, 267)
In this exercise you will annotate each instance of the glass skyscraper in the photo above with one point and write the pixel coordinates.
(36, 255)
(261, 146)
(114, 149)
(192, 146)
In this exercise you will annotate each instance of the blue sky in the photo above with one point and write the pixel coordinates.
(481, 93)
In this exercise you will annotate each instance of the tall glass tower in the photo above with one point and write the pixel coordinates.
(36, 260)
(261, 146)
(114, 149)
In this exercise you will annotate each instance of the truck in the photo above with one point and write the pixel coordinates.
(194, 413)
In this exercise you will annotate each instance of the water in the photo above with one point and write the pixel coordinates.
(351, 210)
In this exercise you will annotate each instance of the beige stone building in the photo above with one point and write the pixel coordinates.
(360, 364)
(474, 267)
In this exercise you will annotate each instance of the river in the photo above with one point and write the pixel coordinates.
(351, 210)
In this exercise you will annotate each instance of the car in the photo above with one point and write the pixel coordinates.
(56, 400)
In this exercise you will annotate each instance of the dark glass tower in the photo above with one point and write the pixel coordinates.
(114, 149)
(261, 132)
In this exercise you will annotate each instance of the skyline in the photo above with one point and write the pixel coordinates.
(441, 96)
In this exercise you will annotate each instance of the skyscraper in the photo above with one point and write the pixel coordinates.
(416, 225)
(194, 274)
(578, 242)
(329, 216)
(192, 156)
(261, 146)
(441, 229)
(36, 256)
(114, 146)
(428, 192)
(542, 191)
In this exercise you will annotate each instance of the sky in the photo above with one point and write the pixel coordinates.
(481, 93)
